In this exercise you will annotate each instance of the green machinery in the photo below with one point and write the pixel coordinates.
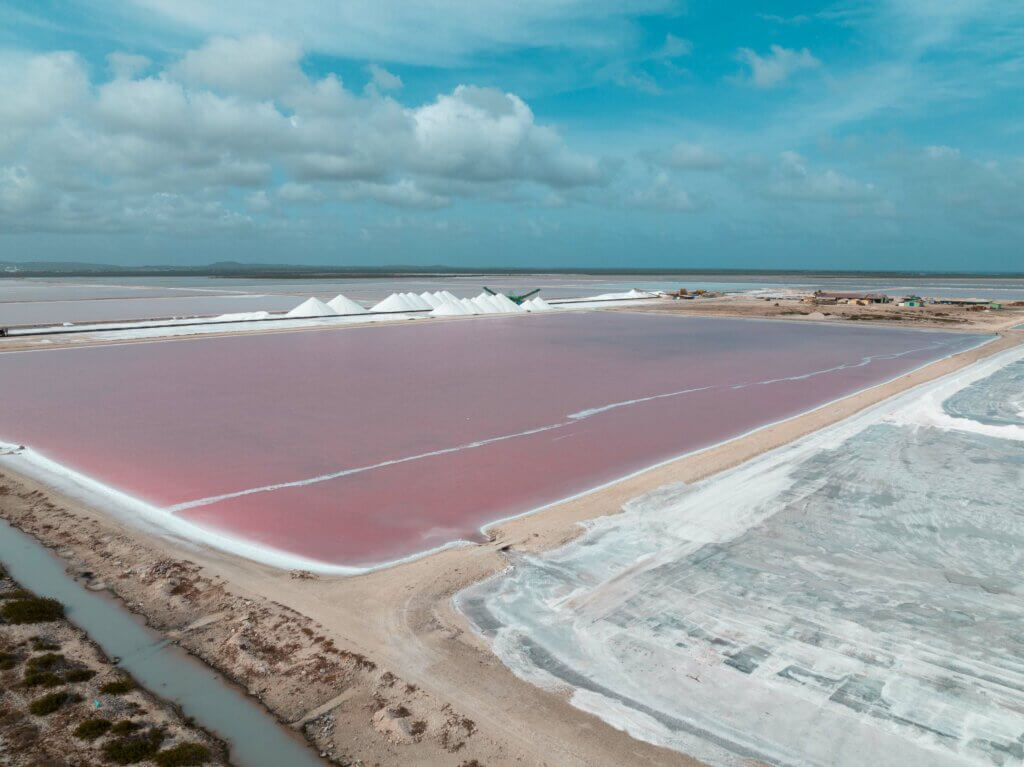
(513, 296)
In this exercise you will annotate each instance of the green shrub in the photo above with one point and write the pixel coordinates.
(91, 729)
(16, 593)
(135, 748)
(50, 703)
(183, 755)
(79, 674)
(125, 727)
(32, 610)
(38, 643)
(41, 679)
(118, 687)
(44, 662)
(8, 660)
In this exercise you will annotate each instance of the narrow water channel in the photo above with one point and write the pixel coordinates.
(254, 737)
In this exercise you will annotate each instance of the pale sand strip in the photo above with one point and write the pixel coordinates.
(402, 617)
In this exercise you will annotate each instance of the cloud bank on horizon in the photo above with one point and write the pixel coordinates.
(872, 135)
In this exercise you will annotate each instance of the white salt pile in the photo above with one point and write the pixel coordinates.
(416, 302)
(344, 305)
(241, 316)
(401, 302)
(312, 307)
(393, 303)
(434, 299)
(487, 304)
(500, 303)
(508, 304)
(450, 306)
(449, 309)
(634, 293)
(537, 304)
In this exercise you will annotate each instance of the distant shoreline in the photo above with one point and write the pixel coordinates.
(300, 271)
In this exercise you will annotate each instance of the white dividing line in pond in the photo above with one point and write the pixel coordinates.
(573, 419)
(625, 403)
(844, 366)
(358, 470)
(803, 376)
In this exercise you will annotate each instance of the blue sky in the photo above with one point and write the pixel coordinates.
(542, 133)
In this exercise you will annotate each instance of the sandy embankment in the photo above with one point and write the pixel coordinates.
(793, 308)
(385, 669)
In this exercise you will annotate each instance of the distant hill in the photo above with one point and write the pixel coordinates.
(308, 271)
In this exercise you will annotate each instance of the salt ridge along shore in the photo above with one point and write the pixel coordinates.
(400, 618)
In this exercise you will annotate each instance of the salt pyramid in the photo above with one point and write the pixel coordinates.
(415, 302)
(312, 307)
(432, 298)
(393, 303)
(508, 304)
(345, 305)
(538, 304)
(449, 309)
(450, 306)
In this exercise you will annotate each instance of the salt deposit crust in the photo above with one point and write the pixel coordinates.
(56, 312)
(847, 599)
(347, 513)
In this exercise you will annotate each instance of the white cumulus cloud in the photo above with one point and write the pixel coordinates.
(233, 114)
(777, 65)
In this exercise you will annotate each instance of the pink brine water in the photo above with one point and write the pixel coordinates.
(361, 445)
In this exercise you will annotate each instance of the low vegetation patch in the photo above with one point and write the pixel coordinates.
(134, 748)
(8, 660)
(39, 644)
(16, 593)
(50, 703)
(79, 674)
(125, 727)
(41, 679)
(50, 670)
(32, 610)
(183, 755)
(91, 729)
(44, 662)
(118, 687)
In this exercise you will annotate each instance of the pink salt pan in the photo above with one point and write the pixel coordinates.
(362, 445)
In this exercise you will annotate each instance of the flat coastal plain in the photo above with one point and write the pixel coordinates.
(379, 668)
